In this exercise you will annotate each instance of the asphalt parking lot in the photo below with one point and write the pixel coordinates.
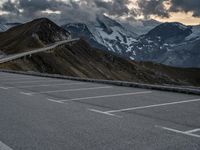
(38, 113)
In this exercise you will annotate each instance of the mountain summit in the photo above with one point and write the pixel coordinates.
(104, 33)
(170, 32)
(34, 34)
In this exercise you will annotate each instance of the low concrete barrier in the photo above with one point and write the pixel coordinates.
(177, 89)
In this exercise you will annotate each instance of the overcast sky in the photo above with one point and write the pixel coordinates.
(61, 11)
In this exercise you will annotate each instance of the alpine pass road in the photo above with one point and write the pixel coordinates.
(38, 113)
(52, 46)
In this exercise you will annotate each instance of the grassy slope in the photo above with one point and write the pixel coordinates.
(34, 34)
(18, 39)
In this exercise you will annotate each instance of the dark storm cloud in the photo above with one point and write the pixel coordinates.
(157, 7)
(186, 6)
(10, 7)
(2, 19)
(82, 10)
(30, 7)
(153, 7)
(116, 7)
(86, 10)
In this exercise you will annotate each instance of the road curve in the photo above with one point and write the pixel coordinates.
(17, 56)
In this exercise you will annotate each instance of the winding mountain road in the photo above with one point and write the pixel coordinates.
(52, 46)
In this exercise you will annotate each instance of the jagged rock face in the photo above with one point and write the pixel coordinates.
(34, 34)
(80, 30)
(105, 33)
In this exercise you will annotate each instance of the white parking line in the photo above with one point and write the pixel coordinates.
(68, 90)
(180, 132)
(55, 101)
(25, 93)
(152, 106)
(144, 107)
(106, 96)
(4, 146)
(193, 131)
(105, 113)
(5, 88)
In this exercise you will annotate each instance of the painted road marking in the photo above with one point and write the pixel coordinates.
(180, 132)
(68, 90)
(107, 96)
(4, 146)
(144, 107)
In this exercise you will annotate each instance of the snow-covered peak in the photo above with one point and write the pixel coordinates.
(113, 35)
(106, 32)
(102, 19)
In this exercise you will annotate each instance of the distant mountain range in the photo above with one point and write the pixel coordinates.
(172, 44)
(82, 60)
